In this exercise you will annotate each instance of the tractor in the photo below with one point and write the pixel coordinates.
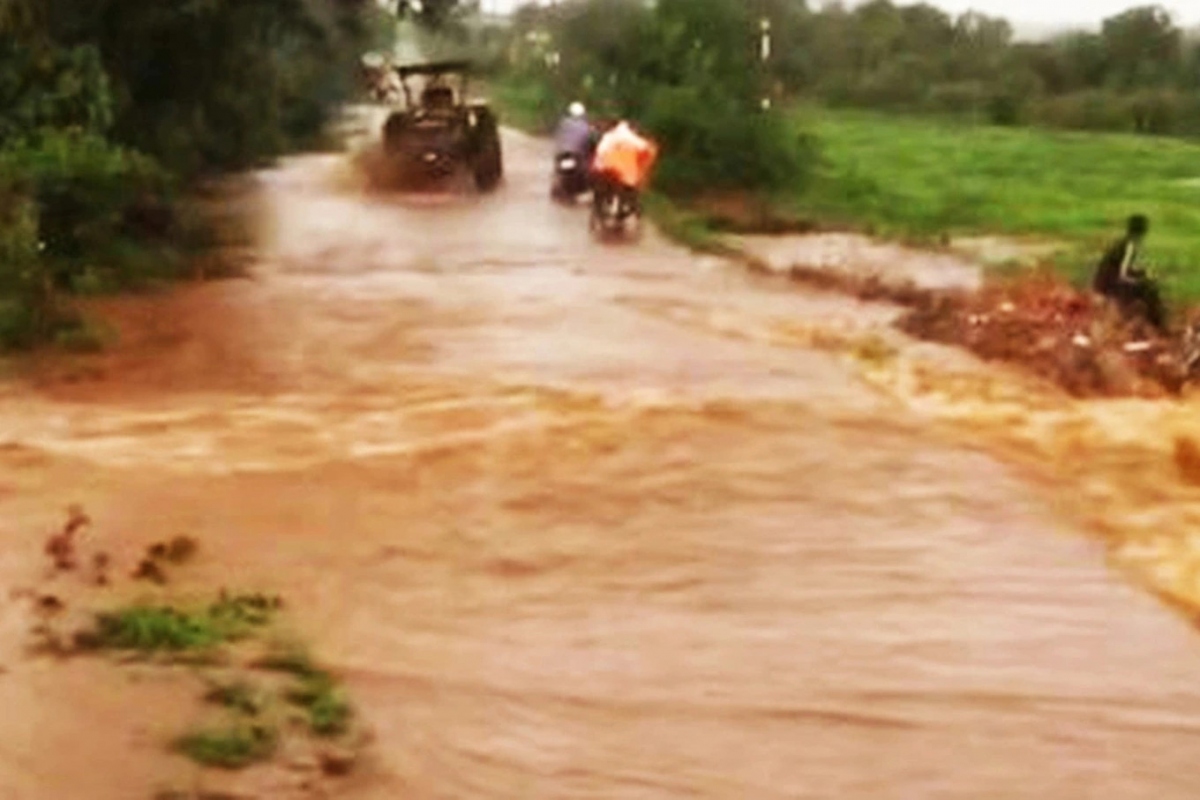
(439, 133)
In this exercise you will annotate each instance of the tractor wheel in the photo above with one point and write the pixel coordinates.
(393, 132)
(488, 163)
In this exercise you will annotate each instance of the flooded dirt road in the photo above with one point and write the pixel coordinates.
(578, 521)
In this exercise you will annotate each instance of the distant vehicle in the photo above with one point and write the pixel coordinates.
(439, 132)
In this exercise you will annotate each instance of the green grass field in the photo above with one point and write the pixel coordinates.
(915, 177)
(922, 178)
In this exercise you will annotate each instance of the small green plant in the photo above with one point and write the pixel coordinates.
(242, 611)
(152, 629)
(234, 747)
(155, 628)
(329, 713)
(687, 228)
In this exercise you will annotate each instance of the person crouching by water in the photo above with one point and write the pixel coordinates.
(1119, 278)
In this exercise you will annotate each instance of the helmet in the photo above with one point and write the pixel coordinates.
(576, 110)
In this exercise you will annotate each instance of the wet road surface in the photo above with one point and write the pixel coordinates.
(580, 521)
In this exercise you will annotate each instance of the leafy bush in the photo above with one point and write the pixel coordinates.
(58, 88)
(685, 71)
(711, 143)
(108, 108)
(104, 214)
(153, 629)
(235, 747)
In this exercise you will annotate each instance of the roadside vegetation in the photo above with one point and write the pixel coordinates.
(103, 137)
(261, 694)
(902, 121)
(922, 178)
(686, 70)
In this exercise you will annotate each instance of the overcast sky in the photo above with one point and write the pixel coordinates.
(1087, 13)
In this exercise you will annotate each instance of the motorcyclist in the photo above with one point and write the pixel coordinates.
(622, 164)
(1120, 279)
(574, 135)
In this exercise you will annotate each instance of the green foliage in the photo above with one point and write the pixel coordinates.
(89, 192)
(152, 629)
(316, 691)
(230, 82)
(684, 226)
(685, 71)
(51, 89)
(29, 309)
(711, 143)
(234, 747)
(109, 107)
(329, 712)
(923, 178)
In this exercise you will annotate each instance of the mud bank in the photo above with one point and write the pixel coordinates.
(1035, 321)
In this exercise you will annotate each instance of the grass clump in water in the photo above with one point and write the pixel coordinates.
(234, 747)
(162, 628)
(329, 713)
(316, 691)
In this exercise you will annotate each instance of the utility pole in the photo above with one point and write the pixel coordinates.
(764, 26)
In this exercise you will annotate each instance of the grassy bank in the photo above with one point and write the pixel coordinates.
(916, 177)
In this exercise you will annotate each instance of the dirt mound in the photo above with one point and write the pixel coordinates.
(1038, 321)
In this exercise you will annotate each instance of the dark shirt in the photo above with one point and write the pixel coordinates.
(1118, 266)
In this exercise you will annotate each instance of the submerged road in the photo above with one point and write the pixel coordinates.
(581, 521)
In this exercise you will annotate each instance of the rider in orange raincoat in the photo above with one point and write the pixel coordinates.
(623, 162)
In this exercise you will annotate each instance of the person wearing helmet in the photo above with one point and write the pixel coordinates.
(574, 135)
(622, 163)
(574, 144)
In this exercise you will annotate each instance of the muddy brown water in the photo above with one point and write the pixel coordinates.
(576, 521)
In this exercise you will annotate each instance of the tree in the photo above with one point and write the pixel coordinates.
(1144, 45)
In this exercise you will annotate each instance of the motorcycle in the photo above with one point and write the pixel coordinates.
(570, 179)
(612, 209)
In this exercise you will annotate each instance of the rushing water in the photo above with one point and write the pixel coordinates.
(582, 521)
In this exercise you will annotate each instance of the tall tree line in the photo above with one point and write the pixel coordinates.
(1139, 72)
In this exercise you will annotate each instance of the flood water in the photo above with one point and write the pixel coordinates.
(580, 521)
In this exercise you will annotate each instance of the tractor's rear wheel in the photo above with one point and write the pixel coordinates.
(393, 132)
(488, 163)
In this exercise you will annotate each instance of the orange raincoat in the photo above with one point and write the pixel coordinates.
(626, 156)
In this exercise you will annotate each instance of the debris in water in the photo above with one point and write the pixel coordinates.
(100, 565)
(150, 570)
(61, 546)
(181, 549)
(178, 550)
(337, 761)
(50, 605)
